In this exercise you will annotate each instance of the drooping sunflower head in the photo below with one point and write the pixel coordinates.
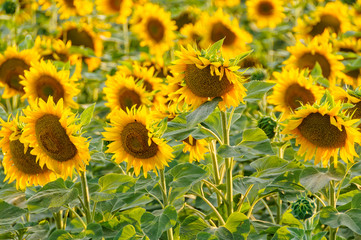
(69, 8)
(196, 148)
(265, 13)
(43, 80)
(121, 8)
(218, 26)
(122, 92)
(55, 138)
(155, 29)
(132, 141)
(324, 132)
(334, 17)
(188, 16)
(320, 51)
(18, 163)
(12, 66)
(204, 76)
(292, 90)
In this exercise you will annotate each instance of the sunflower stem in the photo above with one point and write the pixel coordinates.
(332, 203)
(279, 209)
(126, 39)
(212, 149)
(58, 220)
(163, 185)
(228, 163)
(85, 189)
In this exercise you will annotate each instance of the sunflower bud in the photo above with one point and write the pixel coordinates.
(303, 208)
(9, 7)
(268, 126)
(258, 75)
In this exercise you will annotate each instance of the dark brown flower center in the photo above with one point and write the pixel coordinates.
(10, 72)
(354, 73)
(48, 86)
(187, 140)
(318, 130)
(156, 29)
(296, 94)
(219, 31)
(308, 60)
(78, 38)
(70, 3)
(356, 110)
(25, 162)
(128, 98)
(183, 19)
(347, 49)
(53, 139)
(265, 8)
(56, 56)
(326, 21)
(134, 139)
(115, 4)
(148, 86)
(203, 84)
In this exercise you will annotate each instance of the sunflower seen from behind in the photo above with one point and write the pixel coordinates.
(43, 80)
(19, 164)
(265, 13)
(12, 65)
(292, 90)
(155, 29)
(322, 132)
(203, 76)
(51, 131)
(132, 141)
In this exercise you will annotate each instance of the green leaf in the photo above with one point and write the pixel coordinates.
(54, 194)
(206, 236)
(154, 225)
(94, 231)
(191, 226)
(282, 234)
(224, 234)
(239, 225)
(212, 50)
(269, 165)
(202, 112)
(256, 139)
(351, 218)
(127, 233)
(60, 235)
(179, 134)
(186, 174)
(356, 201)
(240, 57)
(9, 213)
(87, 115)
(314, 180)
(256, 90)
(316, 71)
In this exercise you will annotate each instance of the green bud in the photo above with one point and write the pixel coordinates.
(268, 126)
(258, 75)
(9, 7)
(303, 208)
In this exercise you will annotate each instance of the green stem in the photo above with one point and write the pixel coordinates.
(163, 185)
(77, 216)
(240, 204)
(268, 210)
(218, 192)
(85, 189)
(332, 202)
(213, 134)
(201, 214)
(126, 39)
(214, 209)
(279, 209)
(254, 204)
(58, 220)
(228, 164)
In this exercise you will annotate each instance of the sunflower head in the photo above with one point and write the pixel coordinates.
(55, 138)
(323, 131)
(132, 141)
(303, 208)
(9, 7)
(19, 164)
(265, 13)
(120, 8)
(206, 75)
(196, 148)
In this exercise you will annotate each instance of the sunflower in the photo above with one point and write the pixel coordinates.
(292, 90)
(190, 35)
(317, 50)
(122, 92)
(18, 163)
(202, 79)
(196, 148)
(155, 30)
(132, 141)
(122, 8)
(219, 25)
(323, 131)
(25, 11)
(349, 96)
(334, 17)
(12, 66)
(188, 16)
(43, 80)
(83, 35)
(142, 74)
(226, 3)
(55, 138)
(69, 8)
(265, 13)
(161, 68)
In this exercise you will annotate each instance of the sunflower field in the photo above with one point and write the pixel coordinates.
(180, 120)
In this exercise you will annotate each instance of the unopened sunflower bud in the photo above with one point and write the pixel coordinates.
(258, 75)
(9, 7)
(303, 208)
(268, 126)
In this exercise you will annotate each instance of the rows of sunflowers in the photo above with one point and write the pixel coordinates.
(190, 120)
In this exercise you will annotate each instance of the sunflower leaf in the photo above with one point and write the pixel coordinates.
(9, 213)
(202, 112)
(240, 57)
(331, 217)
(212, 50)
(87, 115)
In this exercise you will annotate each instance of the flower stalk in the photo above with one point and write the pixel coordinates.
(85, 190)
(163, 186)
